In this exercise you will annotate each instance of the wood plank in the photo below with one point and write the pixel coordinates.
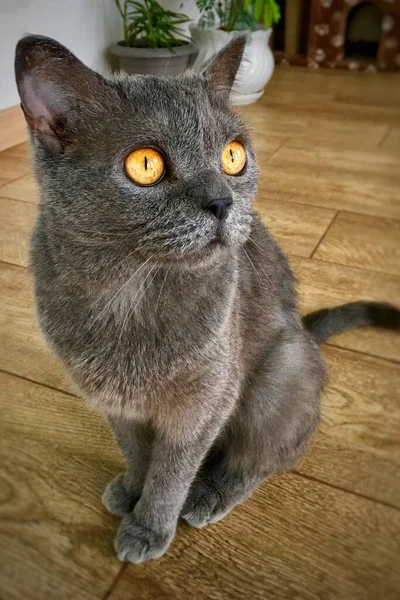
(297, 228)
(23, 350)
(22, 150)
(352, 468)
(12, 167)
(356, 428)
(361, 394)
(293, 539)
(321, 107)
(391, 143)
(304, 124)
(25, 189)
(361, 241)
(322, 285)
(16, 224)
(13, 128)
(328, 111)
(340, 179)
(368, 91)
(267, 145)
(342, 91)
(55, 536)
(300, 81)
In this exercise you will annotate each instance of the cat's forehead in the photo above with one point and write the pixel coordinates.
(178, 106)
(185, 92)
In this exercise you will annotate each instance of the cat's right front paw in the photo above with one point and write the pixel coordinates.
(137, 543)
(117, 499)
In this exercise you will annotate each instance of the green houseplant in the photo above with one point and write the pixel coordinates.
(238, 15)
(154, 41)
(220, 20)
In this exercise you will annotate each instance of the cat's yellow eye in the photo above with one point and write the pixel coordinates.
(145, 166)
(233, 158)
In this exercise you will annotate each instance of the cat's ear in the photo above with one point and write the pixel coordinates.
(221, 70)
(55, 89)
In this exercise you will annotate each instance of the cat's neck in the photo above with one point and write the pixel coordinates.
(158, 296)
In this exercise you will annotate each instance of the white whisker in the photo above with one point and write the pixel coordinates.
(147, 287)
(255, 270)
(258, 245)
(262, 270)
(131, 309)
(124, 285)
(162, 286)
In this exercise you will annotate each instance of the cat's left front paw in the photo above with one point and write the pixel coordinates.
(136, 544)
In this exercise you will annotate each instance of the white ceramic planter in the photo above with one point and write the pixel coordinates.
(255, 69)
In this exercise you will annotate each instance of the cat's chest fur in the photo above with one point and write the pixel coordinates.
(134, 344)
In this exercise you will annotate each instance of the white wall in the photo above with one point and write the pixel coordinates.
(87, 27)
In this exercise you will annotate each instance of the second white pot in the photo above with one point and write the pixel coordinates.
(255, 69)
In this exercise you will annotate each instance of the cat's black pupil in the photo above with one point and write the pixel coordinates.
(232, 156)
(145, 162)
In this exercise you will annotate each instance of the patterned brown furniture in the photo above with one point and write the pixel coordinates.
(328, 29)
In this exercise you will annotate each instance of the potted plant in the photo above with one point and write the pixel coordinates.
(154, 42)
(220, 20)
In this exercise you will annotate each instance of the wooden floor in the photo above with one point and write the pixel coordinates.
(329, 150)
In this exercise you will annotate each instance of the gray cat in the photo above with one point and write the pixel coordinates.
(166, 299)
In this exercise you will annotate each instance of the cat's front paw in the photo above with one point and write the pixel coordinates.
(117, 499)
(204, 504)
(136, 544)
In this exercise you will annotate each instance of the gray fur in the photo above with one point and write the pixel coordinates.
(193, 350)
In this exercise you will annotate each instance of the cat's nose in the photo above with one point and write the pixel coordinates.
(218, 206)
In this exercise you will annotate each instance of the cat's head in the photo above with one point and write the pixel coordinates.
(84, 126)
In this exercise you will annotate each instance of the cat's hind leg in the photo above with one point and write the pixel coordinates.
(267, 433)
(215, 491)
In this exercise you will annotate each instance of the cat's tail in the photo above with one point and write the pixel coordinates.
(325, 323)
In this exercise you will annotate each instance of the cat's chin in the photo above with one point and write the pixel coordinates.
(218, 241)
(218, 246)
(205, 256)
